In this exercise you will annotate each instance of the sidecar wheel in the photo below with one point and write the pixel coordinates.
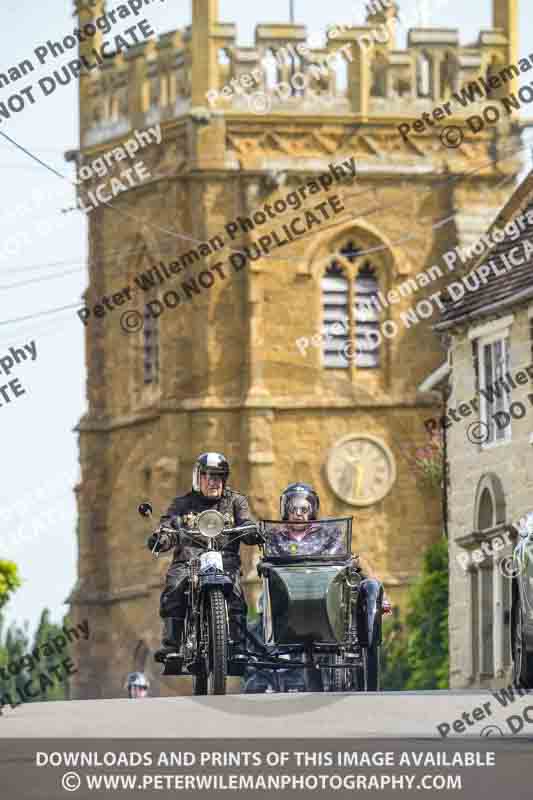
(218, 643)
(371, 669)
(338, 678)
(199, 684)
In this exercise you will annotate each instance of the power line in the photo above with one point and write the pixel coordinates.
(357, 216)
(40, 314)
(435, 226)
(41, 279)
(197, 241)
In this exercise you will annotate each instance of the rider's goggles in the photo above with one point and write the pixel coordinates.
(213, 477)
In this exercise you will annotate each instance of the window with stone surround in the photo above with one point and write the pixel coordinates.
(350, 312)
(150, 347)
(493, 367)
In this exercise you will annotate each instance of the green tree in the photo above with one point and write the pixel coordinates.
(46, 632)
(415, 656)
(9, 583)
(9, 580)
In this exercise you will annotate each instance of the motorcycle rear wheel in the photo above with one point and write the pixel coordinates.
(215, 608)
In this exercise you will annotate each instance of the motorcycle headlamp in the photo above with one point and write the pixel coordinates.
(210, 523)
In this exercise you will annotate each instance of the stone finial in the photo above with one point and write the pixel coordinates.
(383, 13)
(379, 12)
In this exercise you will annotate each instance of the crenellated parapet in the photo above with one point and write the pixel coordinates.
(359, 70)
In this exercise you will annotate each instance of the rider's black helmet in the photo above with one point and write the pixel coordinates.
(215, 464)
(300, 490)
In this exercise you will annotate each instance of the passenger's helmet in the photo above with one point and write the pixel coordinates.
(215, 464)
(298, 490)
(137, 679)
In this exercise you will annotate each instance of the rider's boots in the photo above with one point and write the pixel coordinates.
(172, 637)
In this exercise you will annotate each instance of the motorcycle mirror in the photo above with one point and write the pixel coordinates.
(145, 510)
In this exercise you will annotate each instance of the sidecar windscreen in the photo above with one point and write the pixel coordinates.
(323, 539)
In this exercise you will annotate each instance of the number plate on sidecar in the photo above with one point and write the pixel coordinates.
(211, 559)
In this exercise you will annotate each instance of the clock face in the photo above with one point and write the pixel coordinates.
(361, 470)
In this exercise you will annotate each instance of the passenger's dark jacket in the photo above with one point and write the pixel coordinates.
(232, 505)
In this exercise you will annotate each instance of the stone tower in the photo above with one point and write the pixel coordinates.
(231, 355)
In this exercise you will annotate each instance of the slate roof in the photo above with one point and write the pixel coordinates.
(505, 289)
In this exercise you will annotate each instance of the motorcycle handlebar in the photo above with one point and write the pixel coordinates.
(243, 529)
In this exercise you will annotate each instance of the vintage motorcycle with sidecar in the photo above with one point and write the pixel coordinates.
(320, 618)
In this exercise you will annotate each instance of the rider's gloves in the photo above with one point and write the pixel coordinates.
(386, 606)
(164, 542)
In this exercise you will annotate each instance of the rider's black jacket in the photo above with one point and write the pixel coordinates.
(232, 505)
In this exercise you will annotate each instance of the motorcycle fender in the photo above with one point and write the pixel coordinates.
(213, 580)
(368, 610)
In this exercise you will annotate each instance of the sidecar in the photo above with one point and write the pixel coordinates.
(317, 608)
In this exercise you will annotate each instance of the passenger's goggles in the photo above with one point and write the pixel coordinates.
(299, 507)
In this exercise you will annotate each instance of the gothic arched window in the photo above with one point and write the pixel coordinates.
(486, 511)
(150, 347)
(350, 312)
(335, 307)
(366, 317)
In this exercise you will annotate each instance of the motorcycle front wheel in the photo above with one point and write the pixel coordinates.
(215, 609)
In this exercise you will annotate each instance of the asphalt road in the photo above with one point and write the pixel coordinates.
(394, 714)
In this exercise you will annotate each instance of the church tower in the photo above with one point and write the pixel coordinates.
(283, 324)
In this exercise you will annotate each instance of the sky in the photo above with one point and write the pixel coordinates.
(43, 268)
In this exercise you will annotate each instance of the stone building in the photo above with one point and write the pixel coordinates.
(221, 362)
(488, 428)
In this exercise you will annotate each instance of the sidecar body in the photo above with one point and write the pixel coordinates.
(316, 607)
(305, 586)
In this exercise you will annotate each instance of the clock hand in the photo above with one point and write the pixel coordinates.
(360, 473)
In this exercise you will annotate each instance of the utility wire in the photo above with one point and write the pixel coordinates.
(197, 241)
(175, 235)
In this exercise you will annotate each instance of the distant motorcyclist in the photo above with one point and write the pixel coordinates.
(137, 685)
(209, 491)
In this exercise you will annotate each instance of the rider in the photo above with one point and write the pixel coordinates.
(209, 491)
(137, 685)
